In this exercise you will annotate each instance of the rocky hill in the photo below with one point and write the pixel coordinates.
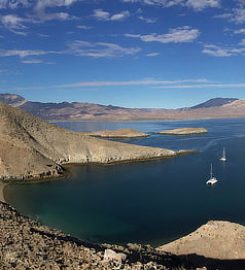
(32, 148)
(26, 244)
(214, 108)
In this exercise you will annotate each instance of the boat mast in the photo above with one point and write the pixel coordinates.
(224, 154)
(211, 171)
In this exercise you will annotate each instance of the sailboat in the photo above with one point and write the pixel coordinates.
(223, 158)
(213, 180)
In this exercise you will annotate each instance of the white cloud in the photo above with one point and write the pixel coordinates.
(22, 53)
(14, 23)
(141, 17)
(120, 16)
(102, 15)
(147, 20)
(178, 35)
(197, 5)
(76, 48)
(100, 49)
(145, 82)
(153, 54)
(203, 86)
(14, 4)
(242, 43)
(239, 31)
(217, 51)
(35, 61)
(236, 14)
(84, 27)
(43, 4)
(41, 14)
(202, 4)
(154, 83)
(37, 14)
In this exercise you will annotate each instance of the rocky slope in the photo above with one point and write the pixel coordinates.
(26, 244)
(214, 108)
(31, 147)
(184, 131)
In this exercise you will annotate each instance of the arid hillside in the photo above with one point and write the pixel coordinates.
(31, 147)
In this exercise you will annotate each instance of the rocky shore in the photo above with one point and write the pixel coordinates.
(119, 133)
(26, 244)
(184, 131)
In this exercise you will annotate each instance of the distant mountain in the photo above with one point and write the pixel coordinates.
(13, 100)
(214, 102)
(213, 108)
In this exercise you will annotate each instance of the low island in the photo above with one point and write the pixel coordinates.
(119, 133)
(183, 131)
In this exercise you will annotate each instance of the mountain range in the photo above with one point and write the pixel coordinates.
(213, 108)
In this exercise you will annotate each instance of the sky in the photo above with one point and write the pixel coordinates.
(132, 53)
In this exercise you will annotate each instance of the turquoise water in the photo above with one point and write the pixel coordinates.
(146, 202)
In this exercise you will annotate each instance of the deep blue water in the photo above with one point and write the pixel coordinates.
(146, 202)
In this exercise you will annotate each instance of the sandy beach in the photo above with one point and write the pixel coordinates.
(2, 186)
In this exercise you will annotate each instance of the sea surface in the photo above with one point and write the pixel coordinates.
(146, 202)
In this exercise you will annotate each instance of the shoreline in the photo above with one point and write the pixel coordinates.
(2, 186)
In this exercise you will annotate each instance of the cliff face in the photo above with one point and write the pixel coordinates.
(31, 147)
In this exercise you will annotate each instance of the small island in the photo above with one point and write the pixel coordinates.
(183, 131)
(119, 133)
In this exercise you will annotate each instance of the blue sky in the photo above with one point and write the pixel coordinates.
(134, 53)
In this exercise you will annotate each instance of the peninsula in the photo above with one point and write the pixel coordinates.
(184, 131)
(46, 147)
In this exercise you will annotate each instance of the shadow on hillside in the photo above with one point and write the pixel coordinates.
(213, 264)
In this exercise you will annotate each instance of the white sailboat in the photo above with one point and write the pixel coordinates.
(223, 158)
(213, 180)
